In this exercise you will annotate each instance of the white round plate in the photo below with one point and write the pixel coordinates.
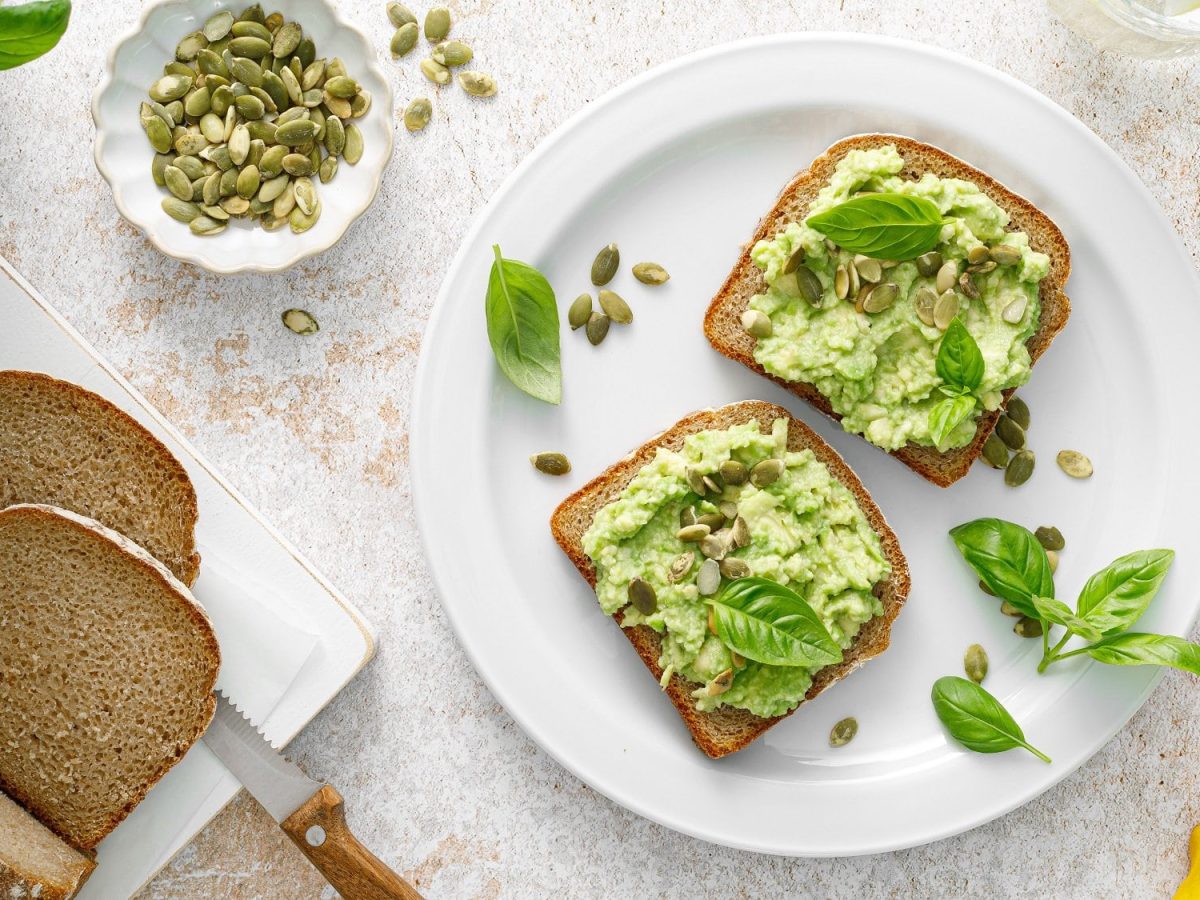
(677, 167)
(123, 155)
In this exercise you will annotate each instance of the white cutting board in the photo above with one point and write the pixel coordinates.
(289, 640)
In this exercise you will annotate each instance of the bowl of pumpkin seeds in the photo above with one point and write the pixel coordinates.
(243, 137)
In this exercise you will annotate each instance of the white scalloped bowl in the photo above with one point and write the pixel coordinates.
(123, 155)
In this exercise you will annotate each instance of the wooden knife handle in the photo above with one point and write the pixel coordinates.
(319, 829)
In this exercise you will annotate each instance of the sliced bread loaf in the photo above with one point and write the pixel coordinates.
(68, 447)
(35, 864)
(722, 323)
(107, 667)
(727, 729)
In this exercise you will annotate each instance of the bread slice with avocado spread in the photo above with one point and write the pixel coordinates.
(807, 522)
(873, 369)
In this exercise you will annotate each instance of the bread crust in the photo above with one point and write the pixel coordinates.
(722, 322)
(726, 729)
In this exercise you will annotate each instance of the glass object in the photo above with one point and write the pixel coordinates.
(1156, 29)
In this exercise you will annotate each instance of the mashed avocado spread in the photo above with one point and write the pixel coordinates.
(806, 531)
(878, 370)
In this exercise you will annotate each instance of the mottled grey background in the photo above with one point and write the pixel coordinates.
(313, 430)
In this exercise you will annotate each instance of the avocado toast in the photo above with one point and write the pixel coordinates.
(1036, 280)
(719, 728)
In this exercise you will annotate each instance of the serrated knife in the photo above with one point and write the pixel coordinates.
(310, 813)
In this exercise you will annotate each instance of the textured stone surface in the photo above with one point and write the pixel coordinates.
(438, 779)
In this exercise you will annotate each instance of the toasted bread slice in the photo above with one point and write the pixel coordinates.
(34, 862)
(68, 447)
(722, 323)
(727, 729)
(107, 667)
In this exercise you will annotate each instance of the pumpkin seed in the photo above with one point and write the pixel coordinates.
(178, 183)
(966, 284)
(597, 328)
(642, 595)
(212, 128)
(437, 24)
(929, 263)
(198, 102)
(687, 516)
(239, 145)
(306, 52)
(287, 39)
(1014, 312)
(975, 663)
(274, 21)
(691, 534)
(250, 107)
(342, 86)
(841, 282)
(1018, 411)
(734, 472)
(712, 485)
(284, 203)
(1050, 537)
(580, 311)
(1074, 463)
(868, 269)
(1005, 254)
(249, 47)
(695, 480)
(947, 275)
(1052, 558)
(756, 323)
(170, 87)
(180, 210)
(995, 453)
(220, 100)
(218, 25)
(809, 284)
(294, 133)
(257, 29)
(272, 188)
(1019, 468)
(1027, 627)
(435, 71)
(605, 265)
(720, 684)
(306, 196)
(681, 566)
(978, 254)
(300, 222)
(924, 303)
(766, 472)
(247, 71)
(192, 166)
(1009, 610)
(452, 53)
(359, 104)
(291, 84)
(740, 532)
(404, 39)
(1010, 432)
(881, 297)
(708, 579)
(327, 169)
(651, 273)
(229, 182)
(252, 13)
(714, 546)
(235, 205)
(728, 509)
(297, 164)
(843, 732)
(945, 310)
(205, 225)
(158, 165)
(189, 144)
(157, 133)
(477, 84)
(731, 567)
(982, 268)
(615, 307)
(400, 15)
(353, 150)
(300, 321)
(794, 261)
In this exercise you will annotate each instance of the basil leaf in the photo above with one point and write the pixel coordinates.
(885, 226)
(772, 624)
(31, 29)
(522, 325)
(1009, 560)
(959, 361)
(1134, 649)
(976, 719)
(1116, 596)
(1059, 613)
(948, 414)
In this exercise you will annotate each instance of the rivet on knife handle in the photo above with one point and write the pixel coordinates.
(319, 829)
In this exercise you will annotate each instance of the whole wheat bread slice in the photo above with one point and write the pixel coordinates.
(107, 667)
(722, 323)
(727, 729)
(36, 864)
(68, 447)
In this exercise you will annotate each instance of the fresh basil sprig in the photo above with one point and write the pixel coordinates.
(772, 624)
(960, 366)
(522, 326)
(883, 226)
(976, 719)
(31, 29)
(1011, 562)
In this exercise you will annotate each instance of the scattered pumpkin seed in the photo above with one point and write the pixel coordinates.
(550, 463)
(435, 71)
(180, 210)
(766, 472)
(681, 566)
(218, 25)
(328, 169)
(1050, 537)
(1010, 432)
(170, 87)
(756, 323)
(1027, 627)
(881, 297)
(477, 84)
(605, 265)
(353, 150)
(400, 15)
(597, 328)
(720, 684)
(580, 311)
(416, 115)
(841, 282)
(301, 222)
(615, 307)
(300, 321)
(642, 595)
(975, 663)
(714, 546)
(924, 302)
(205, 225)
(1009, 610)
(740, 532)
(1005, 254)
(157, 133)
(929, 263)
(995, 452)
(966, 284)
(978, 254)
(687, 516)
(404, 39)
(651, 273)
(1018, 410)
(452, 54)
(693, 534)
(1019, 468)
(437, 24)
(734, 472)
(945, 309)
(809, 285)
(708, 579)
(286, 39)
(1074, 463)
(843, 732)
(869, 269)
(947, 277)
(732, 568)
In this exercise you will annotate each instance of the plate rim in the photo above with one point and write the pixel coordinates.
(418, 414)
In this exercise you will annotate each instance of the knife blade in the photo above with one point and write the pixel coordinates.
(309, 812)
